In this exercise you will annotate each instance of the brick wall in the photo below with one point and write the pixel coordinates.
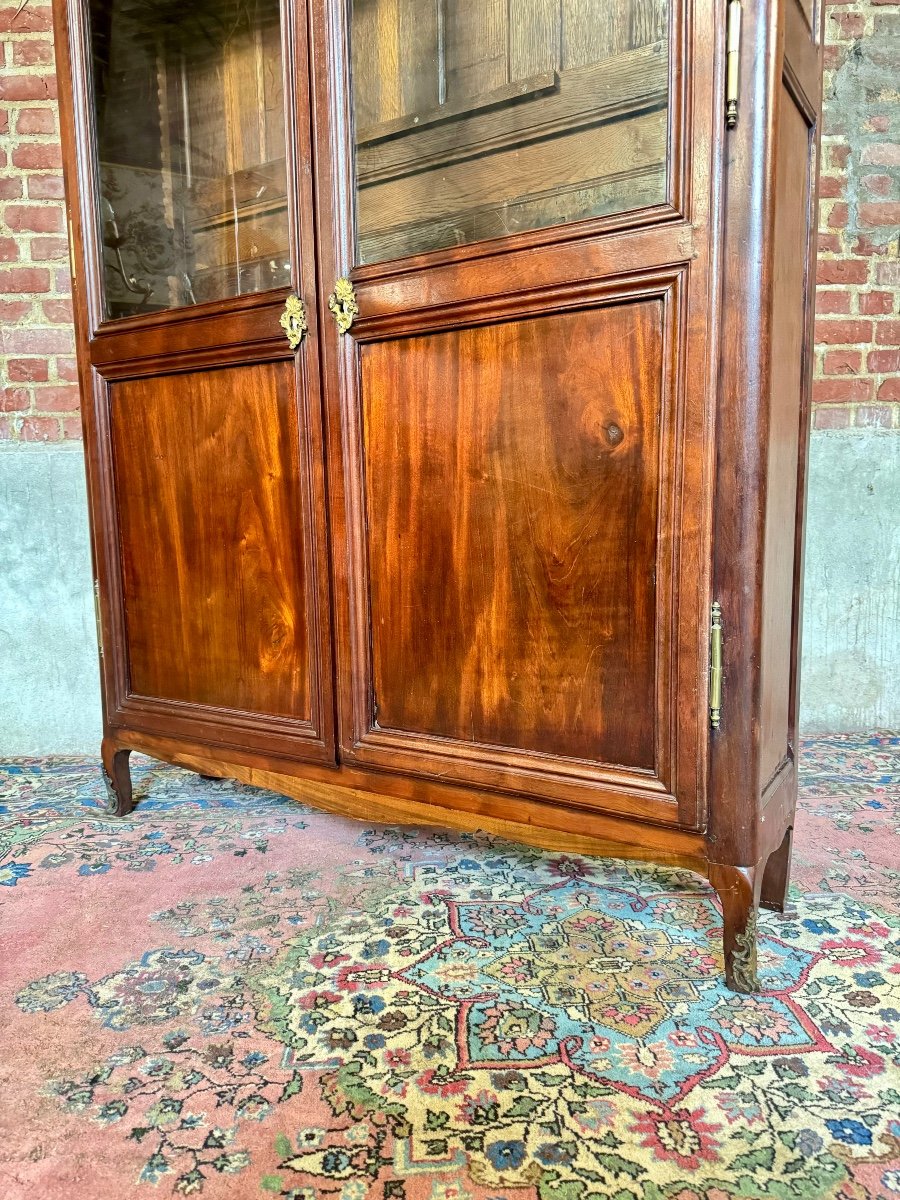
(38, 393)
(857, 314)
(858, 317)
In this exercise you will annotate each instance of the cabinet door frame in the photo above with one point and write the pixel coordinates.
(668, 251)
(239, 331)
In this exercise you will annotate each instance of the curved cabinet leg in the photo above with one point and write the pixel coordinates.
(738, 889)
(777, 876)
(117, 777)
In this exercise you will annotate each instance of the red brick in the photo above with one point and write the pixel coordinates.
(879, 185)
(36, 120)
(883, 362)
(56, 399)
(40, 429)
(71, 429)
(865, 245)
(67, 368)
(876, 303)
(887, 333)
(875, 416)
(830, 187)
(58, 312)
(62, 281)
(842, 333)
(842, 391)
(26, 18)
(844, 270)
(49, 249)
(10, 188)
(840, 155)
(13, 310)
(37, 157)
(4, 115)
(842, 362)
(27, 370)
(850, 25)
(886, 213)
(877, 124)
(15, 399)
(882, 154)
(890, 389)
(838, 218)
(888, 273)
(28, 87)
(9, 249)
(831, 418)
(6, 429)
(45, 187)
(829, 243)
(34, 218)
(37, 340)
(34, 52)
(24, 279)
(832, 301)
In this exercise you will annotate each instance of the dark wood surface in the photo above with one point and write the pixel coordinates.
(210, 512)
(793, 186)
(513, 493)
(490, 285)
(724, 369)
(768, 288)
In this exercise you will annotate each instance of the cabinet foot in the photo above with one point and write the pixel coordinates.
(117, 777)
(777, 876)
(738, 889)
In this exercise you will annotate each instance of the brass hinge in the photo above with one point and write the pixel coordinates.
(715, 665)
(732, 62)
(97, 616)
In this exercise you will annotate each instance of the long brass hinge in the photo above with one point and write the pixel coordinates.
(97, 616)
(715, 665)
(732, 62)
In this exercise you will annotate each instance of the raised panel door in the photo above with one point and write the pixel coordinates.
(520, 415)
(204, 434)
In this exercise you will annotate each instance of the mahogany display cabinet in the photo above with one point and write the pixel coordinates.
(445, 369)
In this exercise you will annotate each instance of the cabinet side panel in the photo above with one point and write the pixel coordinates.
(788, 348)
(208, 498)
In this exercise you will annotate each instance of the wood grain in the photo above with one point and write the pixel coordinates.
(539, 169)
(209, 498)
(512, 504)
(793, 184)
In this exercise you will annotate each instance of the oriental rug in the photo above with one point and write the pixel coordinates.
(228, 994)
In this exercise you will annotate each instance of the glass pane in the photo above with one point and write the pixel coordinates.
(191, 140)
(479, 118)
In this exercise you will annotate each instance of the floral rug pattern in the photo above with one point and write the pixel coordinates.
(228, 994)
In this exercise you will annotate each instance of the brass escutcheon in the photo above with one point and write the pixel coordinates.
(293, 321)
(342, 303)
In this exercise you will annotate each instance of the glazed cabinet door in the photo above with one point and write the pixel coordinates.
(188, 168)
(518, 194)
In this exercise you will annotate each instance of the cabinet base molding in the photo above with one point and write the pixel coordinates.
(400, 800)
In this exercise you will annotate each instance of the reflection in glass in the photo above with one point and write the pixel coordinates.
(480, 118)
(189, 111)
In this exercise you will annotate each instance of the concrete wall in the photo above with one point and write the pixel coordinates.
(49, 687)
(851, 610)
(49, 682)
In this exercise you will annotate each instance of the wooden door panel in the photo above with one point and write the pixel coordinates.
(209, 495)
(512, 485)
(520, 419)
